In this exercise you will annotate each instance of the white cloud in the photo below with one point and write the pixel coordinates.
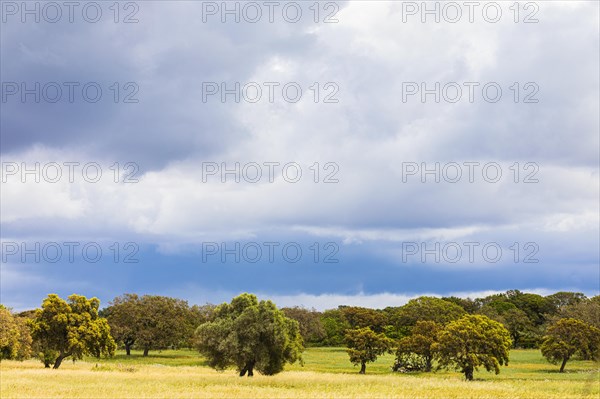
(377, 301)
(368, 134)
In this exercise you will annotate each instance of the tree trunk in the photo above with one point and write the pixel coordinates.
(363, 368)
(469, 373)
(146, 350)
(46, 364)
(516, 337)
(128, 344)
(59, 360)
(249, 367)
(564, 363)
(427, 364)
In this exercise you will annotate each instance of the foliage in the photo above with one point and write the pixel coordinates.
(15, 337)
(562, 299)
(498, 306)
(426, 309)
(473, 341)
(335, 325)
(359, 317)
(311, 325)
(518, 325)
(407, 362)
(123, 315)
(9, 335)
(336, 322)
(569, 337)
(196, 315)
(364, 345)
(249, 335)
(522, 330)
(535, 306)
(469, 305)
(587, 310)
(162, 322)
(420, 344)
(71, 328)
(152, 321)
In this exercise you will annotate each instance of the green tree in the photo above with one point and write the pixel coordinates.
(71, 328)
(498, 306)
(587, 310)
(15, 337)
(491, 298)
(161, 322)
(521, 328)
(311, 326)
(249, 335)
(365, 345)
(150, 321)
(9, 335)
(359, 317)
(335, 325)
(25, 339)
(196, 316)
(535, 306)
(469, 305)
(336, 322)
(563, 299)
(123, 317)
(569, 337)
(518, 325)
(473, 341)
(420, 343)
(426, 309)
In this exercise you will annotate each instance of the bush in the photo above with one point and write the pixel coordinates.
(409, 362)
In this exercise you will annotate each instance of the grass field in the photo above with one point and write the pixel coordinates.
(326, 373)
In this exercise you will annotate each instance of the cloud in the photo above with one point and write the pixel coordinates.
(376, 301)
(365, 141)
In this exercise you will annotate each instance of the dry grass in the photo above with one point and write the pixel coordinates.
(112, 379)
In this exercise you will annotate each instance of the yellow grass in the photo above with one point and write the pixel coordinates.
(90, 379)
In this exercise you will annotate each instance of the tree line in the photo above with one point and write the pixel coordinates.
(427, 333)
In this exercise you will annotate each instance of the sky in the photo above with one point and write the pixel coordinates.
(314, 153)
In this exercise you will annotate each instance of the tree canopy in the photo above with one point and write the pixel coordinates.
(123, 315)
(309, 320)
(359, 317)
(152, 321)
(250, 335)
(335, 326)
(419, 344)
(471, 342)
(563, 299)
(587, 310)
(426, 309)
(15, 338)
(71, 328)
(365, 345)
(568, 337)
